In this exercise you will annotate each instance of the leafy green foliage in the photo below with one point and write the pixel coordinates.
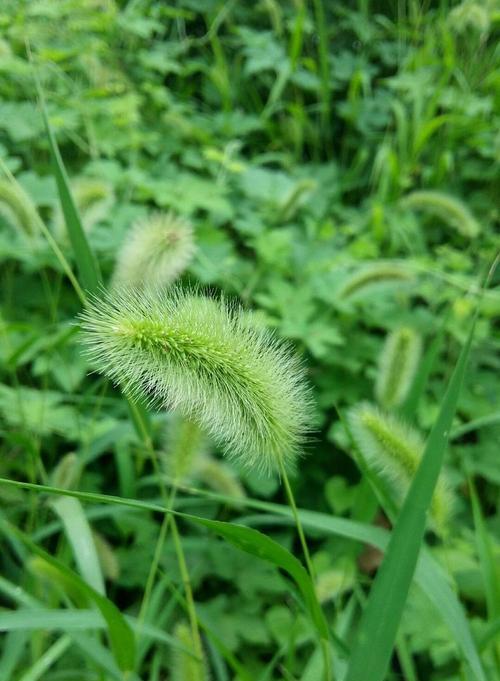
(338, 163)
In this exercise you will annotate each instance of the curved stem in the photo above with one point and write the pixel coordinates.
(325, 645)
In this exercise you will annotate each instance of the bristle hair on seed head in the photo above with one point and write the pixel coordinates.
(392, 450)
(17, 207)
(185, 443)
(397, 366)
(219, 477)
(155, 252)
(202, 357)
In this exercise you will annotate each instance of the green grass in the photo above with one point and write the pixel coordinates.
(322, 179)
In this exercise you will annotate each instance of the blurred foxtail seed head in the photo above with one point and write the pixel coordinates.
(155, 252)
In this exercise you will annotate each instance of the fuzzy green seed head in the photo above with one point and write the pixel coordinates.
(447, 208)
(93, 199)
(67, 472)
(219, 477)
(373, 275)
(185, 445)
(392, 450)
(185, 665)
(204, 359)
(157, 250)
(17, 207)
(397, 367)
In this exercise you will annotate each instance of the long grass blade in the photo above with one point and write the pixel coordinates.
(80, 537)
(88, 268)
(489, 566)
(121, 637)
(429, 575)
(380, 621)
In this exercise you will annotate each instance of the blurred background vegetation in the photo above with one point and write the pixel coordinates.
(339, 164)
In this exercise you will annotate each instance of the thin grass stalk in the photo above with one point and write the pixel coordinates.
(325, 646)
(319, 12)
(169, 500)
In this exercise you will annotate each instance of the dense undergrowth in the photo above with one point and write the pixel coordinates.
(333, 169)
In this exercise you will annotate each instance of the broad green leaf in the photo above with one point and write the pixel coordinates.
(380, 620)
(121, 637)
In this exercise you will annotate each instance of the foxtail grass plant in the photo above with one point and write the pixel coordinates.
(93, 199)
(449, 209)
(372, 276)
(198, 356)
(185, 444)
(204, 359)
(186, 664)
(219, 477)
(186, 457)
(157, 250)
(17, 208)
(392, 450)
(397, 366)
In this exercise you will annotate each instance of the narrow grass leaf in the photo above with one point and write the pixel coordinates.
(489, 567)
(53, 619)
(428, 574)
(29, 619)
(80, 537)
(13, 646)
(121, 637)
(380, 621)
(426, 366)
(45, 661)
(99, 655)
(88, 267)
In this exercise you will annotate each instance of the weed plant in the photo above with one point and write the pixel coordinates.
(225, 230)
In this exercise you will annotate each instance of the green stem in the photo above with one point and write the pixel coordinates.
(300, 530)
(405, 659)
(193, 619)
(325, 646)
(169, 501)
